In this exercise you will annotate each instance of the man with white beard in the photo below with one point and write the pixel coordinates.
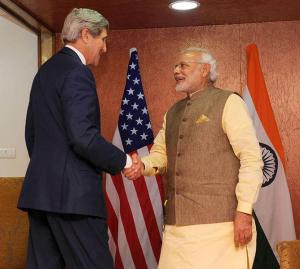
(209, 152)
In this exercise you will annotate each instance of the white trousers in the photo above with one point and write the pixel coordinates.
(205, 246)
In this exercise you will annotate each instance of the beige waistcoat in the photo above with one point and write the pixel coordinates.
(202, 170)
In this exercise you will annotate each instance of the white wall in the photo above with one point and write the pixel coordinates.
(18, 65)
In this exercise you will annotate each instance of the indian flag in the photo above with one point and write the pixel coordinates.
(273, 208)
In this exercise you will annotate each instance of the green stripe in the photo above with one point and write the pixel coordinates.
(264, 257)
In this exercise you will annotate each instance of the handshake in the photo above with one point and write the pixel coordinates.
(137, 168)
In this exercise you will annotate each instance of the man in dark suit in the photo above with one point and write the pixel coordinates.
(62, 190)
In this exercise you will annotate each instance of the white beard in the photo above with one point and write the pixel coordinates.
(181, 88)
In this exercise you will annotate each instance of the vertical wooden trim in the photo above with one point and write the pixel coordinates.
(39, 50)
(46, 38)
(17, 16)
(47, 45)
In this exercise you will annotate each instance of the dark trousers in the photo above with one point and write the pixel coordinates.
(57, 241)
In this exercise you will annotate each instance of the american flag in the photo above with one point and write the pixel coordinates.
(135, 216)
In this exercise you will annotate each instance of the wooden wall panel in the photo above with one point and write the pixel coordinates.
(279, 47)
(13, 225)
(137, 14)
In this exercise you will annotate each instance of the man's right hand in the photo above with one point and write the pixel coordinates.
(136, 170)
(242, 229)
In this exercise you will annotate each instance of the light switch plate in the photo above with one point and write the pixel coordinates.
(7, 153)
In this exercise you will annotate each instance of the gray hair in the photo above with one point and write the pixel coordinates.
(206, 57)
(80, 18)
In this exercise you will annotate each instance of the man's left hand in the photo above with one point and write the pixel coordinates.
(242, 229)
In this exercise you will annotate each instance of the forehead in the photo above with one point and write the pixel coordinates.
(188, 56)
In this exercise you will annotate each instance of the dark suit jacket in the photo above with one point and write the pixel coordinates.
(67, 152)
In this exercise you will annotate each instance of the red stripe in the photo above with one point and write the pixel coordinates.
(118, 261)
(113, 224)
(149, 215)
(112, 219)
(129, 225)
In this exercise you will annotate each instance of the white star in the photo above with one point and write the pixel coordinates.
(135, 106)
(132, 66)
(144, 136)
(129, 116)
(128, 76)
(139, 121)
(148, 125)
(125, 101)
(144, 110)
(140, 96)
(124, 126)
(136, 81)
(130, 91)
(133, 131)
(128, 141)
(121, 112)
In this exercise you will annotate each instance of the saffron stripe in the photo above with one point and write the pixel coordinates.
(258, 91)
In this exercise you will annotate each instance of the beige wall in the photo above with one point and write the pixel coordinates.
(18, 65)
(279, 47)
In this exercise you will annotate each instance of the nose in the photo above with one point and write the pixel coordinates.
(176, 69)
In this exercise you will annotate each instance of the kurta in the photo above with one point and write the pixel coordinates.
(214, 240)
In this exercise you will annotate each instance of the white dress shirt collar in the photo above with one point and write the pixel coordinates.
(80, 55)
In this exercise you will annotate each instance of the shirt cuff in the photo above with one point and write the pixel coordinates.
(149, 170)
(245, 207)
(128, 161)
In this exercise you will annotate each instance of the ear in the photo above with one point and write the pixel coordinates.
(85, 35)
(205, 69)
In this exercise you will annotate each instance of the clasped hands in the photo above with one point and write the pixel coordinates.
(137, 168)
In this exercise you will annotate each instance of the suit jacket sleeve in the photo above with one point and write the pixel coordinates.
(29, 129)
(81, 114)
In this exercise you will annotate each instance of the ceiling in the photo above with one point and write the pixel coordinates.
(136, 14)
